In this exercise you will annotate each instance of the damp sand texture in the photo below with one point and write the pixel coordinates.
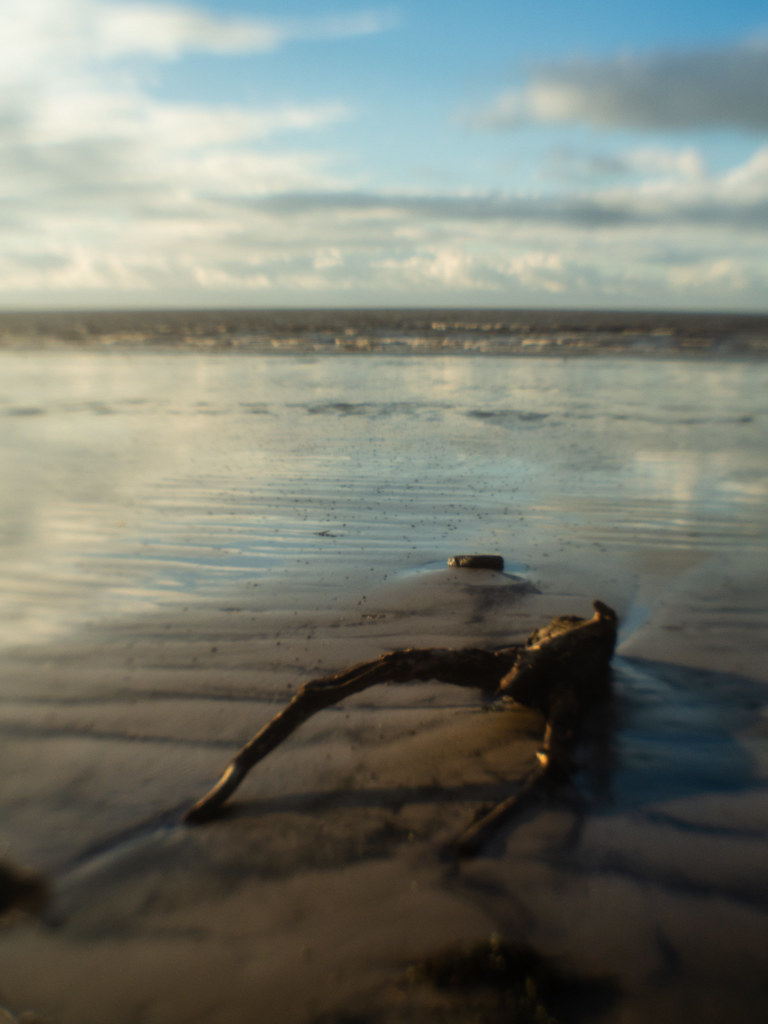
(189, 538)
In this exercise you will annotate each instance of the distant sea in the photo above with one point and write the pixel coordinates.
(482, 332)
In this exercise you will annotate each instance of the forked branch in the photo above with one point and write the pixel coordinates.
(467, 667)
(561, 671)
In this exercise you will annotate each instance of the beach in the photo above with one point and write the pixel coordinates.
(188, 537)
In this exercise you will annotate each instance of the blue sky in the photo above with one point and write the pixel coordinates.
(598, 155)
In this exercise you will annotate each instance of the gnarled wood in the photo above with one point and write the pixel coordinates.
(473, 667)
(561, 671)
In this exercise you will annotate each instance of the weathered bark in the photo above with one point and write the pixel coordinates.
(561, 671)
(473, 667)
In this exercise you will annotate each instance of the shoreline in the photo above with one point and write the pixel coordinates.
(547, 350)
(505, 332)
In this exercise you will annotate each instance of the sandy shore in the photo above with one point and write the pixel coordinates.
(327, 880)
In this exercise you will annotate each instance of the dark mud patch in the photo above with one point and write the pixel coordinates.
(493, 982)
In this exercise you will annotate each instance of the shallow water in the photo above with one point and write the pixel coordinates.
(132, 480)
(675, 734)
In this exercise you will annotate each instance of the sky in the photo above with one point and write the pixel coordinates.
(487, 153)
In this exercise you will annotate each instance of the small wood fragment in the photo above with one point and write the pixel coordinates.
(495, 562)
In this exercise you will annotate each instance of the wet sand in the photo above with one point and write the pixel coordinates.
(328, 876)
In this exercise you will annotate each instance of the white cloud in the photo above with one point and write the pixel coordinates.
(81, 144)
(328, 256)
(448, 266)
(211, 227)
(70, 115)
(167, 30)
(49, 33)
(109, 194)
(679, 190)
(575, 168)
(749, 181)
(703, 274)
(686, 164)
(106, 188)
(59, 86)
(724, 87)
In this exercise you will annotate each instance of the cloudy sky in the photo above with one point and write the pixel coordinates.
(439, 152)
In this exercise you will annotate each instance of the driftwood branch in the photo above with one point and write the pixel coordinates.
(469, 667)
(561, 671)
